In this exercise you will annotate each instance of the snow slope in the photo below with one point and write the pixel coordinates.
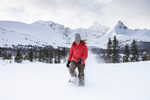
(39, 81)
(126, 35)
(38, 33)
(50, 33)
(46, 33)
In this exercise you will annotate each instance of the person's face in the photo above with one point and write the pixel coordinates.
(77, 42)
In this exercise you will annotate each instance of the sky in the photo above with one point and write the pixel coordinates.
(78, 13)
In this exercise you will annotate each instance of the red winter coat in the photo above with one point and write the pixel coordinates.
(78, 51)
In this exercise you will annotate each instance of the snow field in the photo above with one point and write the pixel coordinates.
(40, 81)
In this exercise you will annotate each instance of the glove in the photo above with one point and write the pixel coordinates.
(68, 63)
(80, 61)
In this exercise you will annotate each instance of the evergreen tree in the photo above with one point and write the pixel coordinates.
(55, 61)
(47, 56)
(115, 51)
(144, 58)
(58, 55)
(109, 51)
(40, 56)
(25, 57)
(5, 55)
(30, 55)
(50, 57)
(9, 56)
(64, 54)
(44, 55)
(134, 52)
(18, 57)
(35, 56)
(126, 54)
(149, 57)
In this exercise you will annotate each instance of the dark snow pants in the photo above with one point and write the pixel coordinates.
(72, 68)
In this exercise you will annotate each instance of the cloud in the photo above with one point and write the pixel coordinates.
(132, 12)
(78, 13)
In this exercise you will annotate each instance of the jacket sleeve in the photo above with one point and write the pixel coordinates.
(85, 53)
(70, 54)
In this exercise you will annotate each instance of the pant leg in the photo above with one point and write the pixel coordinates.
(72, 68)
(81, 74)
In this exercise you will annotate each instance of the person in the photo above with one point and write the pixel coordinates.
(76, 59)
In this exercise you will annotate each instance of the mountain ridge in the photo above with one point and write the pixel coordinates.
(51, 33)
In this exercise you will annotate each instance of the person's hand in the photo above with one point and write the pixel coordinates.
(80, 61)
(68, 63)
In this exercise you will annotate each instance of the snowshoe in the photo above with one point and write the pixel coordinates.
(73, 80)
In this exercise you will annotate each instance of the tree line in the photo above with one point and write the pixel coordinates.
(46, 54)
(129, 55)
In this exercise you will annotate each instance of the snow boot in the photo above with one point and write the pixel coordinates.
(81, 82)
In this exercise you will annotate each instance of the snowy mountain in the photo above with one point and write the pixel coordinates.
(126, 35)
(50, 33)
(38, 33)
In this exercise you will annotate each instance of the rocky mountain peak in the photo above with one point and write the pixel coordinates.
(120, 28)
(121, 25)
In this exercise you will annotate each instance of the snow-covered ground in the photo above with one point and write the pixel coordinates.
(40, 81)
